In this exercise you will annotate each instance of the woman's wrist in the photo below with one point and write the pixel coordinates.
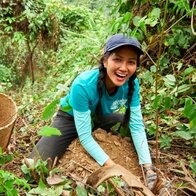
(147, 165)
(108, 163)
(148, 168)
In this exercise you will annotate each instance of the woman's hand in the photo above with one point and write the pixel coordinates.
(108, 163)
(151, 176)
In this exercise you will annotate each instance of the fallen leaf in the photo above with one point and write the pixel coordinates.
(55, 179)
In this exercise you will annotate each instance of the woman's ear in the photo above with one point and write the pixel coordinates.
(105, 63)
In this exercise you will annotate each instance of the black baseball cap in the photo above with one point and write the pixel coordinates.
(119, 40)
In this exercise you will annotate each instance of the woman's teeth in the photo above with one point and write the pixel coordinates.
(121, 75)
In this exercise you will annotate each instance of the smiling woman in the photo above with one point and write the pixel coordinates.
(95, 96)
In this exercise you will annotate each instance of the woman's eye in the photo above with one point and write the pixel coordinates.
(117, 59)
(132, 62)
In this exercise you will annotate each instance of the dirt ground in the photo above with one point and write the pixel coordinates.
(121, 150)
(79, 165)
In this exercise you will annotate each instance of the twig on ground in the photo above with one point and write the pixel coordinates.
(120, 193)
(81, 166)
(188, 176)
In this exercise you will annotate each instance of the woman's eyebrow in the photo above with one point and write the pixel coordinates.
(117, 55)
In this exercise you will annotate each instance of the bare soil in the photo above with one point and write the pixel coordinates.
(79, 165)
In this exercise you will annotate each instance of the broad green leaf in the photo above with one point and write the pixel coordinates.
(134, 31)
(136, 21)
(183, 88)
(187, 71)
(41, 184)
(147, 77)
(48, 131)
(194, 144)
(193, 124)
(153, 17)
(171, 78)
(143, 27)
(171, 41)
(180, 65)
(167, 102)
(50, 110)
(176, 51)
(124, 132)
(189, 108)
(101, 188)
(81, 191)
(127, 16)
(183, 134)
(57, 190)
(157, 101)
(165, 141)
(153, 69)
(192, 165)
(156, 12)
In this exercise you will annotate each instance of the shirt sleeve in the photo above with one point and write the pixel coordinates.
(84, 130)
(79, 98)
(138, 134)
(135, 101)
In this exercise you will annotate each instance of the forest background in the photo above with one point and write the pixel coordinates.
(45, 44)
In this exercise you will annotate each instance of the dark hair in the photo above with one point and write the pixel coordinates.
(101, 83)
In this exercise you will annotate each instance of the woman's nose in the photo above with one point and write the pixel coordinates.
(123, 65)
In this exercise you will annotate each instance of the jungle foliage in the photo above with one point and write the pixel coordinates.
(46, 43)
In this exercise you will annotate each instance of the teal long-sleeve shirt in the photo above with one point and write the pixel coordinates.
(82, 101)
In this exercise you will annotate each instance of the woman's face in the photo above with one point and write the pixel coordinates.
(120, 66)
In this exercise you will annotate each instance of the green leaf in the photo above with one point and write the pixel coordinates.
(167, 102)
(170, 80)
(193, 123)
(48, 131)
(41, 184)
(153, 17)
(136, 21)
(124, 132)
(189, 109)
(187, 71)
(157, 101)
(183, 88)
(127, 16)
(165, 141)
(192, 165)
(194, 144)
(81, 191)
(143, 27)
(176, 51)
(101, 188)
(50, 110)
(57, 190)
(153, 69)
(183, 134)
(156, 12)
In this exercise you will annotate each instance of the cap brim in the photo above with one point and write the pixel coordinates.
(123, 44)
